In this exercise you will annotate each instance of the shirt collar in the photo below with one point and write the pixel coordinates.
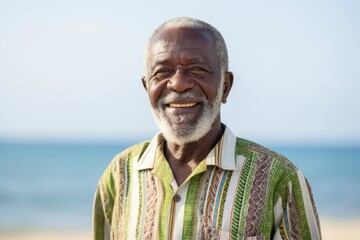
(222, 155)
(151, 154)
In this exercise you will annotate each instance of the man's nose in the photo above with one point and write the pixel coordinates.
(180, 81)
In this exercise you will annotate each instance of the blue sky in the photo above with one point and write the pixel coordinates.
(71, 70)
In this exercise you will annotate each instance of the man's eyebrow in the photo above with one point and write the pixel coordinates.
(161, 61)
(197, 60)
(165, 61)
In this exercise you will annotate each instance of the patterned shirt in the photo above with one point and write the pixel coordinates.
(239, 191)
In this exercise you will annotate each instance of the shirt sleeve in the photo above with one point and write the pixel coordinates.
(101, 227)
(103, 205)
(295, 212)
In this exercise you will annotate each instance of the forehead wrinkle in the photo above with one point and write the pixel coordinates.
(164, 58)
(164, 45)
(160, 46)
(197, 60)
(166, 51)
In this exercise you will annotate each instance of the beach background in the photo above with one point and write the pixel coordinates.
(47, 188)
(71, 99)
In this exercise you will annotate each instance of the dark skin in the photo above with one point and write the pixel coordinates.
(185, 60)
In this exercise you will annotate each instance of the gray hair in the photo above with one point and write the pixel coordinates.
(192, 23)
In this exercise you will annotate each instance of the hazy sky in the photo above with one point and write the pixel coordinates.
(71, 70)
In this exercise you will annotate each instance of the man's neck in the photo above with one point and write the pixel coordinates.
(183, 159)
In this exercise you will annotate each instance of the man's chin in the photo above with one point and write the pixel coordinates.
(178, 133)
(185, 128)
(182, 121)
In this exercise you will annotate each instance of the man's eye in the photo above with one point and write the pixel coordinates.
(197, 70)
(162, 72)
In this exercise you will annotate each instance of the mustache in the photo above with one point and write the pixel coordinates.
(176, 95)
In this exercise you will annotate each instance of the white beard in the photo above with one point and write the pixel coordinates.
(187, 132)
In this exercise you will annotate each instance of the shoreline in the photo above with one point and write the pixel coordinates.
(331, 229)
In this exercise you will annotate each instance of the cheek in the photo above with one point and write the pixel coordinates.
(155, 91)
(210, 90)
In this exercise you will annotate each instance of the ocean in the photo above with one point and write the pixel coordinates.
(51, 185)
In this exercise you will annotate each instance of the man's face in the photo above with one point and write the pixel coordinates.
(184, 83)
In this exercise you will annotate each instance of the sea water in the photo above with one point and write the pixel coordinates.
(51, 185)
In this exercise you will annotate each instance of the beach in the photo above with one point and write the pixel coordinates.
(43, 197)
(332, 229)
(46, 235)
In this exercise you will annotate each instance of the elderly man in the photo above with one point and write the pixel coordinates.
(195, 179)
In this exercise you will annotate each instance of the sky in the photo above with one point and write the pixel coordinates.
(71, 70)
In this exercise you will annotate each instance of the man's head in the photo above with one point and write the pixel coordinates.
(192, 23)
(186, 78)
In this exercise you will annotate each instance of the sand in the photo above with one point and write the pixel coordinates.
(45, 235)
(332, 229)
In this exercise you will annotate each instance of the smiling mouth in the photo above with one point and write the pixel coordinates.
(181, 105)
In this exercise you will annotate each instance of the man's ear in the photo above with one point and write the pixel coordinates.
(144, 82)
(228, 82)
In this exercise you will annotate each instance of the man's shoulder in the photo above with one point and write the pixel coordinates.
(133, 152)
(255, 151)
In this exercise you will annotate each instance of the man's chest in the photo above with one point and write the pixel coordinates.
(210, 205)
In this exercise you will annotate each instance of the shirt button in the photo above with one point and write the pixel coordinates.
(177, 198)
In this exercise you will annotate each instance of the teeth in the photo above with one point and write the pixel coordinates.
(184, 105)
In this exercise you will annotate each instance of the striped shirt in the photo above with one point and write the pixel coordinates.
(241, 190)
